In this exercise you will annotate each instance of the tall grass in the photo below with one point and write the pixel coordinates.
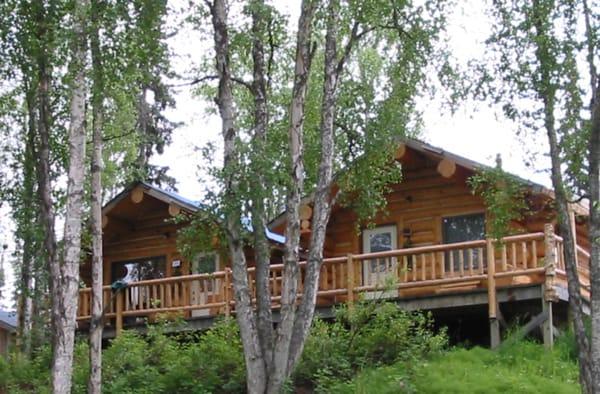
(522, 367)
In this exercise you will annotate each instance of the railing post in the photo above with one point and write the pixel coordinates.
(226, 294)
(492, 301)
(548, 291)
(350, 279)
(119, 312)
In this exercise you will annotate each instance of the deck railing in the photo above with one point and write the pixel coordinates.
(436, 269)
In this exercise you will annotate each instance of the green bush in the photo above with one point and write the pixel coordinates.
(367, 334)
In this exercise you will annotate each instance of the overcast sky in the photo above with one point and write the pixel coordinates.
(475, 131)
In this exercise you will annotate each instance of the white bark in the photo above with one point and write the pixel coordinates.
(255, 366)
(62, 366)
(96, 324)
(296, 188)
(262, 253)
(594, 238)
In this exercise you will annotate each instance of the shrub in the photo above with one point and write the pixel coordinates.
(366, 334)
(369, 333)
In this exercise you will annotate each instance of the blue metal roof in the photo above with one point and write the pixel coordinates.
(8, 319)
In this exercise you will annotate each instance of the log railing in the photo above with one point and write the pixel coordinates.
(431, 269)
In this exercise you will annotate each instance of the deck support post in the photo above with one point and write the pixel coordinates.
(119, 313)
(350, 284)
(548, 324)
(226, 293)
(494, 333)
(548, 292)
(492, 300)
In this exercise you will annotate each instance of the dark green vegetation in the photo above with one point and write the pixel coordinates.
(372, 347)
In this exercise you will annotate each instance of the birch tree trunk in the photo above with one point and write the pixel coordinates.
(25, 301)
(547, 92)
(255, 365)
(62, 366)
(280, 353)
(594, 199)
(96, 324)
(594, 236)
(262, 252)
(322, 199)
(295, 190)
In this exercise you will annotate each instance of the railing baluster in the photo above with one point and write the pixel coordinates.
(405, 268)
(163, 302)
(470, 261)
(451, 262)
(423, 267)
(443, 264)
(433, 263)
(480, 260)
(513, 247)
(168, 294)
(534, 253)
(524, 254)
(504, 263)
(461, 262)
(333, 277)
(414, 267)
(140, 300)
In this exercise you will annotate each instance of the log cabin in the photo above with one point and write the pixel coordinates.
(428, 250)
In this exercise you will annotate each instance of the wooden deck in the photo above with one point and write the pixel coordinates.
(441, 270)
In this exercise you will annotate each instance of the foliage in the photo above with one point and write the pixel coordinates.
(523, 367)
(537, 56)
(504, 198)
(367, 334)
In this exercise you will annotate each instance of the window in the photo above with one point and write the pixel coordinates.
(462, 229)
(139, 269)
(205, 263)
(378, 271)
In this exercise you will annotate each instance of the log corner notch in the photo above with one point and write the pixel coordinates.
(137, 195)
(305, 216)
(400, 151)
(174, 209)
(446, 167)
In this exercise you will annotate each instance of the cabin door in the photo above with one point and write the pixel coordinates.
(380, 272)
(202, 291)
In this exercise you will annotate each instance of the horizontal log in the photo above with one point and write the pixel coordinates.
(141, 312)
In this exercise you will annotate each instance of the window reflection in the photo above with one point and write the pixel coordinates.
(462, 229)
(139, 269)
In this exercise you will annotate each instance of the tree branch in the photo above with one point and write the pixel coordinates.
(205, 78)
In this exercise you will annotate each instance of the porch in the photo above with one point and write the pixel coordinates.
(457, 273)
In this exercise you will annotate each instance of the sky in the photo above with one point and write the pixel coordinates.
(474, 131)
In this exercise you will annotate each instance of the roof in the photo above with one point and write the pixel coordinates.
(169, 197)
(8, 320)
(160, 194)
(440, 153)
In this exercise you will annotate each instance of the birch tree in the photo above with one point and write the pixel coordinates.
(280, 128)
(537, 48)
(68, 271)
(96, 325)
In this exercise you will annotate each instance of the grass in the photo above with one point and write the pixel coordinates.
(524, 367)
